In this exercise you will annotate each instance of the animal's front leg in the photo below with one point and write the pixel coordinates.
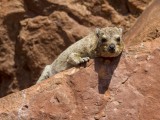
(84, 59)
(75, 59)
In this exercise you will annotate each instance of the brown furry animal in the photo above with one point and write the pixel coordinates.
(105, 42)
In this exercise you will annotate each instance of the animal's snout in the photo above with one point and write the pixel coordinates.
(111, 48)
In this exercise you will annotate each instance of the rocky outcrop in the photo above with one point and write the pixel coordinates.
(34, 32)
(124, 88)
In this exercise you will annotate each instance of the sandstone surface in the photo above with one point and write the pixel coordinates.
(126, 88)
(34, 32)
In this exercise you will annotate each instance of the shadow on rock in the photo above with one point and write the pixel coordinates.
(105, 68)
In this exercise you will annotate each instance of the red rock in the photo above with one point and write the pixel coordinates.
(31, 29)
(126, 88)
(137, 6)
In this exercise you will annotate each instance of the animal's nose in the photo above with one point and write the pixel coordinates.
(111, 47)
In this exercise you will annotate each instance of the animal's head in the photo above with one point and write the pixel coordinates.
(110, 42)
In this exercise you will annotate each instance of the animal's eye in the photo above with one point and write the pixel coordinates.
(103, 40)
(118, 39)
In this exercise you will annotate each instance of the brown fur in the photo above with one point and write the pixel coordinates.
(96, 44)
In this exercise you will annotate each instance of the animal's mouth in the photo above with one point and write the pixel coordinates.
(112, 50)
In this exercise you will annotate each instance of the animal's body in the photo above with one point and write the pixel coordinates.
(105, 42)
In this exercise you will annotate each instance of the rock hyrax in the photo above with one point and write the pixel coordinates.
(105, 42)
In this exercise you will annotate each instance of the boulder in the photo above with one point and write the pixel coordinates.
(123, 88)
(34, 32)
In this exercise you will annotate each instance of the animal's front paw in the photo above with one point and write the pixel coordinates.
(84, 59)
(75, 59)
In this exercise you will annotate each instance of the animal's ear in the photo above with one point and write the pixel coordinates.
(98, 32)
(121, 30)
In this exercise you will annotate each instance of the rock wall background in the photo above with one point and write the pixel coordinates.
(126, 88)
(34, 32)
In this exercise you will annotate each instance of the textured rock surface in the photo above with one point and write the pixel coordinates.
(34, 32)
(127, 88)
